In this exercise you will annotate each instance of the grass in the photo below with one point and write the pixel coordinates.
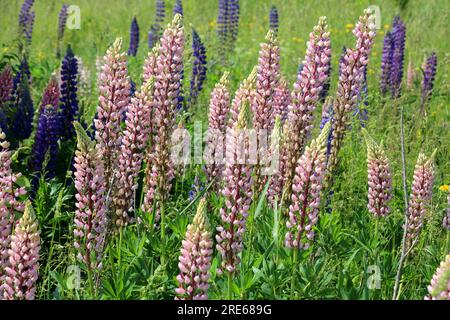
(348, 252)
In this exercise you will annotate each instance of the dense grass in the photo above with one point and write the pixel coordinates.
(348, 247)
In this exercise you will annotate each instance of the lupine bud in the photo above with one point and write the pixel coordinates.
(379, 178)
(198, 66)
(178, 8)
(69, 99)
(134, 38)
(421, 192)
(350, 80)
(26, 20)
(281, 99)
(237, 190)
(398, 54)
(114, 97)
(386, 63)
(9, 203)
(195, 258)
(169, 66)
(244, 92)
(429, 73)
(273, 19)
(307, 187)
(219, 107)
(134, 142)
(439, 288)
(23, 270)
(90, 215)
(304, 98)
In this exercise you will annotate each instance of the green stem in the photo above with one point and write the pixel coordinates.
(163, 233)
(230, 283)
(294, 268)
(447, 243)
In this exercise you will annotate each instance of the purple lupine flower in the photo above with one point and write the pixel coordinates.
(134, 38)
(158, 180)
(9, 204)
(273, 19)
(198, 66)
(307, 186)
(222, 22)
(379, 178)
(219, 106)
(398, 54)
(47, 133)
(429, 73)
(62, 20)
(6, 85)
(134, 141)
(68, 100)
(23, 110)
(228, 24)
(114, 97)
(178, 8)
(446, 221)
(237, 190)
(90, 215)
(233, 11)
(350, 80)
(26, 20)
(196, 187)
(23, 270)
(421, 192)
(195, 258)
(439, 288)
(304, 98)
(157, 27)
(386, 63)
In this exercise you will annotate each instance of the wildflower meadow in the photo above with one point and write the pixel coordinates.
(224, 150)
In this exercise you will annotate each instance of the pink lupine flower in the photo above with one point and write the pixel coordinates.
(134, 142)
(114, 87)
(304, 98)
(379, 178)
(219, 106)
(439, 288)
(244, 92)
(446, 221)
(237, 190)
(275, 186)
(421, 192)
(169, 69)
(150, 64)
(9, 201)
(306, 190)
(281, 99)
(90, 215)
(352, 74)
(195, 258)
(22, 272)
(410, 75)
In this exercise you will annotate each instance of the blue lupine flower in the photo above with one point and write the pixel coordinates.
(228, 24)
(273, 19)
(156, 30)
(26, 19)
(197, 187)
(429, 73)
(398, 54)
(134, 38)
(199, 65)
(178, 8)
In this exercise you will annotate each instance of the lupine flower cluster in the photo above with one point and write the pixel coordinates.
(69, 99)
(281, 99)
(228, 23)
(273, 19)
(350, 79)
(429, 73)
(22, 104)
(195, 258)
(26, 20)
(156, 29)
(90, 215)
(421, 192)
(379, 178)
(23, 269)
(304, 98)
(307, 187)
(134, 38)
(134, 142)
(392, 59)
(198, 66)
(439, 288)
(219, 106)
(178, 8)
(114, 97)
(237, 189)
(169, 67)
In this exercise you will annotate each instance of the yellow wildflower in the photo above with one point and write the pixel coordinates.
(444, 188)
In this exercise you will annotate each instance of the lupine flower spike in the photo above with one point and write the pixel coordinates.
(429, 73)
(23, 104)
(244, 92)
(156, 29)
(23, 270)
(134, 38)
(352, 73)
(169, 66)
(69, 99)
(195, 258)
(379, 178)
(90, 215)
(178, 8)
(307, 187)
(228, 24)
(439, 288)
(62, 20)
(281, 99)
(237, 189)
(219, 107)
(398, 54)
(26, 20)
(114, 97)
(386, 63)
(421, 192)
(198, 66)
(273, 19)
(6, 85)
